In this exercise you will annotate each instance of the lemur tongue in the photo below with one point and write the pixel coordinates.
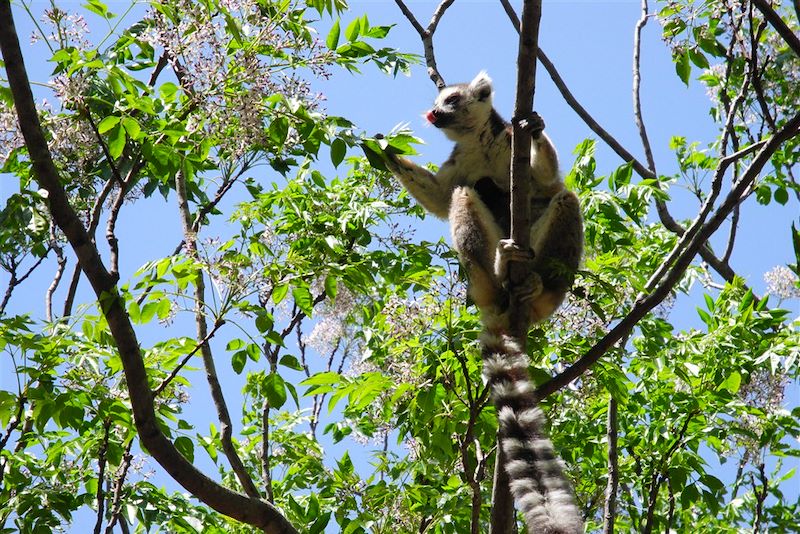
(430, 116)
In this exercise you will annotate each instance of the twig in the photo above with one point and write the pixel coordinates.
(119, 483)
(164, 383)
(610, 507)
(266, 456)
(731, 235)
(14, 281)
(226, 426)
(426, 34)
(61, 262)
(94, 221)
(101, 477)
(761, 496)
(660, 472)
(637, 82)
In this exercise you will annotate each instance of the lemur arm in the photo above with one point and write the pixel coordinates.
(430, 190)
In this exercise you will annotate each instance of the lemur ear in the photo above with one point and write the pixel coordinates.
(481, 86)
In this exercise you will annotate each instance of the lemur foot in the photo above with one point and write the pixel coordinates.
(533, 123)
(508, 251)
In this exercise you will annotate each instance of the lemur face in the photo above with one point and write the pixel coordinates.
(461, 108)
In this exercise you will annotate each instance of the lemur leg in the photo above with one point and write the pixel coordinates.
(432, 193)
(557, 240)
(475, 237)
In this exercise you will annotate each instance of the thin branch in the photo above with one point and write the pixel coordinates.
(164, 383)
(780, 26)
(226, 426)
(251, 511)
(103, 146)
(427, 37)
(113, 243)
(612, 432)
(731, 235)
(266, 456)
(94, 222)
(761, 496)
(101, 477)
(637, 82)
(14, 281)
(660, 472)
(61, 262)
(643, 306)
(119, 483)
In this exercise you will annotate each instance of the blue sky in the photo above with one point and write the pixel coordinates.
(590, 44)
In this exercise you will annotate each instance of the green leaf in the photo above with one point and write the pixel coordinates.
(683, 66)
(279, 293)
(279, 130)
(698, 59)
(302, 297)
(333, 36)
(238, 359)
(781, 196)
(732, 383)
(338, 151)
(353, 30)
(167, 91)
(185, 446)
(107, 123)
(98, 8)
(287, 360)
(116, 143)
(275, 390)
(331, 287)
(131, 127)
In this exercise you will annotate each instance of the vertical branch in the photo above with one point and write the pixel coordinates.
(761, 496)
(610, 508)
(503, 519)
(62, 264)
(119, 483)
(101, 477)
(637, 82)
(226, 427)
(523, 106)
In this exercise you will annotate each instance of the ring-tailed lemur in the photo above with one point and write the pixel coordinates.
(472, 189)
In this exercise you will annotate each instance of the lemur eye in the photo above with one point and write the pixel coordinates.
(452, 99)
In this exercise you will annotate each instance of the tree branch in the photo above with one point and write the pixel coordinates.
(119, 482)
(232, 504)
(100, 497)
(644, 305)
(426, 34)
(226, 426)
(610, 507)
(637, 82)
(780, 26)
(61, 262)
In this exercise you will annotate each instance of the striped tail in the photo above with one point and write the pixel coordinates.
(535, 472)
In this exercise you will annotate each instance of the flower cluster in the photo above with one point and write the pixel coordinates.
(231, 78)
(782, 283)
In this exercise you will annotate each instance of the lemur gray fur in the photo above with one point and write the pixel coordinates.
(472, 189)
